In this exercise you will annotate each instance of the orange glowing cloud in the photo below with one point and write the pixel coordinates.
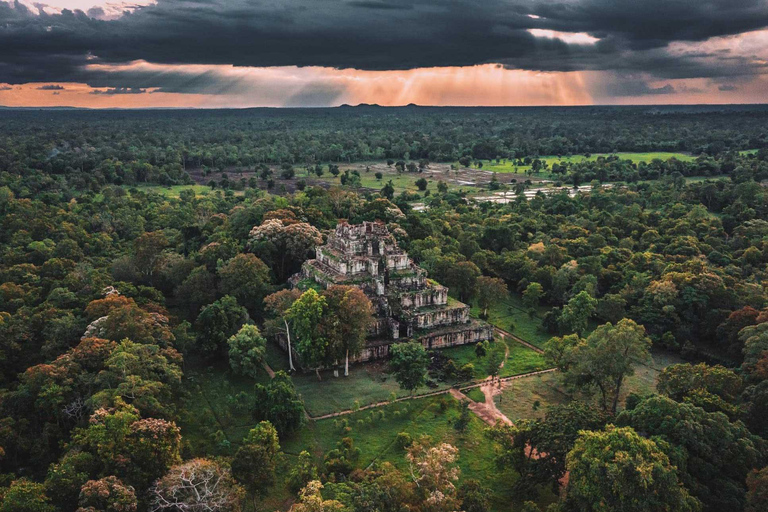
(227, 86)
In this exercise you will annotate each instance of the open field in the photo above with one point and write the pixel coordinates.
(370, 383)
(175, 190)
(512, 316)
(375, 433)
(509, 165)
(212, 418)
(529, 398)
(457, 177)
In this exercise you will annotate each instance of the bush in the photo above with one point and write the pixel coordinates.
(404, 440)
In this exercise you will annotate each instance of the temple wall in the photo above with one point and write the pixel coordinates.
(473, 334)
(441, 317)
(437, 296)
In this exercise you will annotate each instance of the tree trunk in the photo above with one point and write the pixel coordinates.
(317, 372)
(290, 356)
(346, 365)
(616, 395)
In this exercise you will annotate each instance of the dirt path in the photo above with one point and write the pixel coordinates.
(488, 412)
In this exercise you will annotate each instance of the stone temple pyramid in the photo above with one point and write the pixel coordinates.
(407, 305)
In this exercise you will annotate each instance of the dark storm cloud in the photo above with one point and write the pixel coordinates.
(373, 35)
(727, 88)
(636, 88)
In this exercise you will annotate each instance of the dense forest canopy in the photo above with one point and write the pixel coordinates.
(158, 145)
(118, 303)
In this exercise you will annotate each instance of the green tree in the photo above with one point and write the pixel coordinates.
(603, 360)
(537, 449)
(757, 497)
(303, 472)
(306, 316)
(278, 304)
(279, 403)
(246, 278)
(474, 496)
(495, 360)
(246, 351)
(713, 388)
(462, 277)
(346, 320)
(619, 471)
(255, 462)
(408, 361)
(532, 295)
(25, 496)
(577, 313)
(716, 455)
(136, 450)
(489, 291)
(217, 322)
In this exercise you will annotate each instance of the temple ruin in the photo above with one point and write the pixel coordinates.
(406, 303)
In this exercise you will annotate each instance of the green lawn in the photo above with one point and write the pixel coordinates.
(512, 316)
(175, 190)
(212, 419)
(518, 400)
(375, 433)
(508, 165)
(520, 359)
(476, 395)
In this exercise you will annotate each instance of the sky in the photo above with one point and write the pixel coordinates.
(317, 53)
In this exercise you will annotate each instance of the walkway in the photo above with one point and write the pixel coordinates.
(427, 395)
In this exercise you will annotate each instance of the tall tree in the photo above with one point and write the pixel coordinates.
(278, 304)
(284, 244)
(246, 278)
(489, 291)
(256, 460)
(306, 316)
(603, 360)
(347, 318)
(577, 312)
(246, 351)
(408, 362)
(619, 471)
(462, 277)
(217, 322)
(537, 449)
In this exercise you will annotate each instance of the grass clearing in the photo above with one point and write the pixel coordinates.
(475, 394)
(509, 166)
(212, 418)
(375, 433)
(530, 397)
(174, 191)
(512, 316)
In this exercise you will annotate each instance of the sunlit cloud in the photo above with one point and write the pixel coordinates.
(101, 9)
(566, 37)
